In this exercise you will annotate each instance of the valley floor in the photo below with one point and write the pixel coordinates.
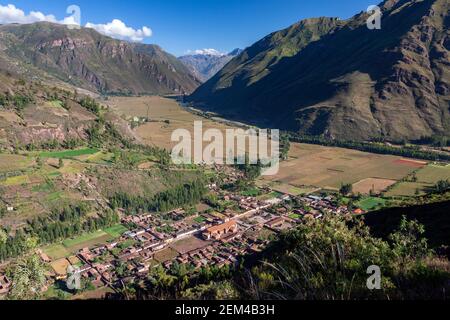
(309, 167)
(232, 224)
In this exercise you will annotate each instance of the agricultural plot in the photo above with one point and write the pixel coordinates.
(99, 158)
(293, 190)
(370, 203)
(56, 251)
(309, 165)
(165, 116)
(34, 191)
(72, 167)
(427, 177)
(165, 255)
(87, 240)
(433, 173)
(56, 103)
(116, 231)
(12, 162)
(15, 181)
(268, 196)
(328, 168)
(407, 189)
(60, 266)
(68, 153)
(374, 185)
(199, 219)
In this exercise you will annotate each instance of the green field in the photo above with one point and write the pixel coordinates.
(407, 189)
(426, 179)
(87, 240)
(116, 231)
(199, 219)
(370, 203)
(16, 181)
(68, 153)
(56, 251)
(99, 157)
(55, 196)
(56, 103)
(432, 174)
(252, 192)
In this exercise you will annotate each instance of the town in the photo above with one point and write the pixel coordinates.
(245, 227)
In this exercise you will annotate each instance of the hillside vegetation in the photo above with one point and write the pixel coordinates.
(87, 59)
(339, 79)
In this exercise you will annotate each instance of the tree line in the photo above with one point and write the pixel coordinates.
(187, 194)
(59, 225)
(407, 152)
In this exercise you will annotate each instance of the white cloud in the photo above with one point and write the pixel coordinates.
(11, 14)
(206, 52)
(115, 29)
(119, 30)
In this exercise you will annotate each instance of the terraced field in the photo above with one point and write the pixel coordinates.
(69, 153)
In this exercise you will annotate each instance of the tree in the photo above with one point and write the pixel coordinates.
(3, 236)
(409, 243)
(442, 186)
(29, 274)
(213, 291)
(328, 259)
(285, 146)
(39, 162)
(346, 189)
(61, 163)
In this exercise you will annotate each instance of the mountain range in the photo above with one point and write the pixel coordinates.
(321, 76)
(205, 65)
(85, 58)
(342, 80)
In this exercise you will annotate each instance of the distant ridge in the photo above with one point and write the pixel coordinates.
(339, 79)
(205, 66)
(92, 61)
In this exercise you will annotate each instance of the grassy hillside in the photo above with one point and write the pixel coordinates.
(435, 217)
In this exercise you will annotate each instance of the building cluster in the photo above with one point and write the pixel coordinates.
(199, 240)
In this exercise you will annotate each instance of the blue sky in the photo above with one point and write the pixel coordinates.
(182, 25)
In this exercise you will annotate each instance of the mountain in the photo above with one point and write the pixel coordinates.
(339, 79)
(204, 66)
(87, 59)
